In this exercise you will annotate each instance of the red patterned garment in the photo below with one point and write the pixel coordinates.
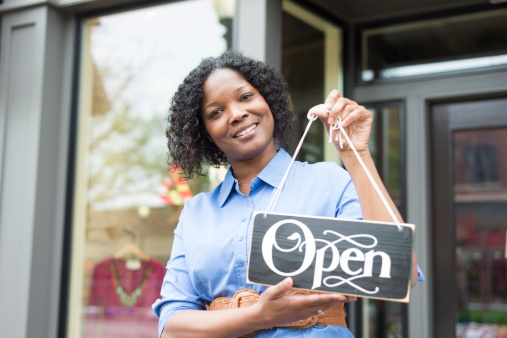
(120, 299)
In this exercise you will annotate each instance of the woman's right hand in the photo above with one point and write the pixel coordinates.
(275, 307)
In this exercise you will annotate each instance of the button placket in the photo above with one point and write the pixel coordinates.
(240, 245)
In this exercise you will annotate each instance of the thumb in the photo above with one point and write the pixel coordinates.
(278, 290)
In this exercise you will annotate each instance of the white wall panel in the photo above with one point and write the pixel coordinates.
(19, 113)
(258, 30)
(33, 162)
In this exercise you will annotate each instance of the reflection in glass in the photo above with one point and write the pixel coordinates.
(303, 67)
(480, 206)
(435, 46)
(386, 147)
(131, 65)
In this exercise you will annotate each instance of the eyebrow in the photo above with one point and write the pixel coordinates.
(211, 104)
(215, 102)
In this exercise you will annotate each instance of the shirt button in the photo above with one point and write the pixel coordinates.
(240, 263)
(243, 219)
(240, 237)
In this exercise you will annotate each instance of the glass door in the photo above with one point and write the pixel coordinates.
(469, 155)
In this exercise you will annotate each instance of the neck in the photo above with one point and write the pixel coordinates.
(246, 171)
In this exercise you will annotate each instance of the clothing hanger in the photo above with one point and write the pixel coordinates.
(130, 250)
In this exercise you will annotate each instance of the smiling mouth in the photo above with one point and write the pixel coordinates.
(246, 131)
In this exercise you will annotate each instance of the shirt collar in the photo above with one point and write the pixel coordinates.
(272, 174)
(226, 187)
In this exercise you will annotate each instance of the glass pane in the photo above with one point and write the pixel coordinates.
(382, 318)
(386, 147)
(132, 64)
(480, 207)
(303, 67)
(435, 46)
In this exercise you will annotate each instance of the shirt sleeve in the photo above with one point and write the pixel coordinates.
(347, 205)
(420, 274)
(178, 292)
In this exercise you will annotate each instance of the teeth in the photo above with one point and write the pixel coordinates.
(249, 129)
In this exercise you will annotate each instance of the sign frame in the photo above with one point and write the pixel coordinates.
(342, 255)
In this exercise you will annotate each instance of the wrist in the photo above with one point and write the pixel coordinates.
(349, 157)
(255, 318)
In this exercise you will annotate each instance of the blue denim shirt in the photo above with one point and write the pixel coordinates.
(212, 239)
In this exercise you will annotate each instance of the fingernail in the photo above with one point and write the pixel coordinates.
(286, 282)
(330, 121)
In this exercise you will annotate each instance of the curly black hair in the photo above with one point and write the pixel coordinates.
(189, 147)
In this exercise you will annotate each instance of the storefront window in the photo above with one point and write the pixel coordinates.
(435, 46)
(127, 203)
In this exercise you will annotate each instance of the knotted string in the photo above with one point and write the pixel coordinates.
(341, 142)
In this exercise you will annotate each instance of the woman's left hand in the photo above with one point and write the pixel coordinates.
(356, 121)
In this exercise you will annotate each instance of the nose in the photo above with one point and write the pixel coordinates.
(237, 114)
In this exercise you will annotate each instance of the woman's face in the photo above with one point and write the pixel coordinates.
(236, 117)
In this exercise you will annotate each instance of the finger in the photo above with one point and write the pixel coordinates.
(336, 110)
(347, 110)
(319, 110)
(341, 105)
(336, 300)
(279, 289)
(321, 300)
(358, 114)
(332, 297)
(330, 305)
(314, 307)
(331, 99)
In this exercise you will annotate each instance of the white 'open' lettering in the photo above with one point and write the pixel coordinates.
(309, 246)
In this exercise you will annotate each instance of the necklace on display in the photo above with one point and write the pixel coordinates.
(128, 299)
(246, 185)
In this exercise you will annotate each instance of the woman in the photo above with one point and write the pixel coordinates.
(234, 110)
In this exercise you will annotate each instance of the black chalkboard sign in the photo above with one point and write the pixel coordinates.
(361, 258)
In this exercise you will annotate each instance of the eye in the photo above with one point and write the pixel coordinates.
(215, 113)
(246, 96)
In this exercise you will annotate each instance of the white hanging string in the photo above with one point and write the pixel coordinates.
(278, 190)
(336, 126)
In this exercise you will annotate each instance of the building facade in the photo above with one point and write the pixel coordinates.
(87, 208)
